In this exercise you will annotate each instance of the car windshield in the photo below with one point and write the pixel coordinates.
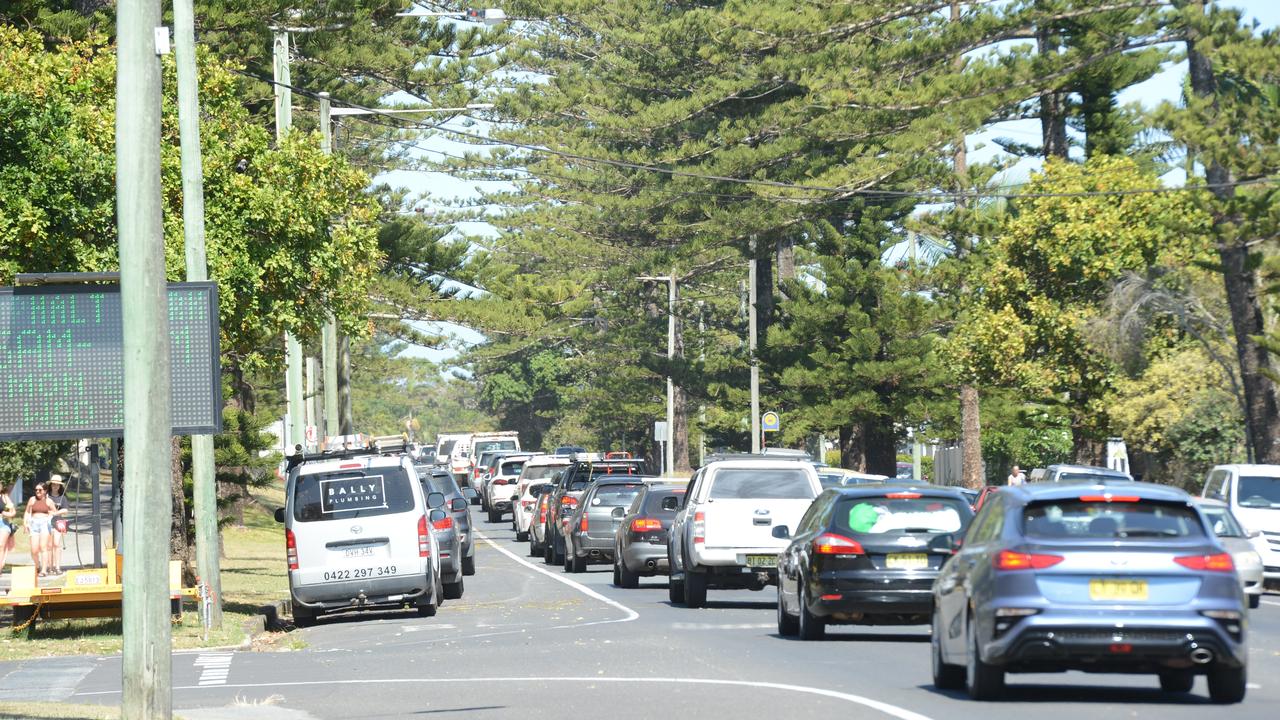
(511, 468)
(900, 515)
(438, 481)
(1088, 477)
(540, 472)
(615, 495)
(488, 445)
(743, 483)
(655, 496)
(1259, 492)
(581, 481)
(1108, 520)
(352, 494)
(1224, 523)
(830, 480)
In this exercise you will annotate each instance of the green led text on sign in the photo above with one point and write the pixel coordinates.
(61, 361)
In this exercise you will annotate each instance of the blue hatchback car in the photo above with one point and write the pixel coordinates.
(1113, 577)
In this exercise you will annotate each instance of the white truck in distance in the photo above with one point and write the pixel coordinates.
(723, 536)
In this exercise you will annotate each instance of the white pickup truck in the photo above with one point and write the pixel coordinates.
(723, 536)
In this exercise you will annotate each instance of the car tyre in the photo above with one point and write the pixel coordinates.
(548, 552)
(534, 549)
(557, 554)
(695, 589)
(1177, 681)
(811, 626)
(453, 590)
(1226, 685)
(622, 577)
(468, 564)
(577, 564)
(945, 675)
(788, 624)
(303, 616)
(675, 589)
(982, 680)
(1255, 601)
(427, 607)
(495, 516)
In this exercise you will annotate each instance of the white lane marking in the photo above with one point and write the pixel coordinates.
(215, 668)
(884, 707)
(713, 626)
(630, 614)
(1271, 602)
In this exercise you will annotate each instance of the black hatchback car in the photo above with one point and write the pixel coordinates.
(867, 555)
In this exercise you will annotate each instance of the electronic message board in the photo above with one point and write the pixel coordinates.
(62, 361)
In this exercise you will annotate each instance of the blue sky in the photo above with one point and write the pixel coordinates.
(443, 188)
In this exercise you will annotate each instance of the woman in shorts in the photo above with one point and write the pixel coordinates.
(7, 531)
(58, 496)
(39, 522)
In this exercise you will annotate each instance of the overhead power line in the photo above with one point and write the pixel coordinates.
(1008, 192)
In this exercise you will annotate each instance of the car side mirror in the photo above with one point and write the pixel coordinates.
(618, 513)
(470, 493)
(279, 515)
(1254, 534)
(671, 503)
(457, 505)
(782, 532)
(435, 500)
(437, 515)
(515, 498)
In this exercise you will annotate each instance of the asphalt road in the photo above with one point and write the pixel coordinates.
(528, 640)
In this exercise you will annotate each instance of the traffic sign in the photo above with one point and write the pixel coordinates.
(62, 361)
(770, 422)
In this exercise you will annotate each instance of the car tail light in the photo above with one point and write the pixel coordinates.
(345, 466)
(1109, 498)
(567, 502)
(424, 540)
(445, 524)
(832, 544)
(542, 516)
(639, 525)
(1010, 560)
(582, 524)
(903, 496)
(500, 481)
(526, 504)
(291, 549)
(699, 527)
(1220, 562)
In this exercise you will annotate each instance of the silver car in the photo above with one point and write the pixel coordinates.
(1117, 577)
(1240, 544)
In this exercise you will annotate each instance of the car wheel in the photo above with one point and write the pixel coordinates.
(983, 681)
(1226, 685)
(695, 589)
(675, 589)
(548, 553)
(811, 626)
(521, 536)
(577, 564)
(945, 675)
(1177, 681)
(427, 607)
(788, 625)
(623, 577)
(468, 565)
(495, 516)
(1254, 601)
(453, 590)
(557, 554)
(534, 550)
(303, 616)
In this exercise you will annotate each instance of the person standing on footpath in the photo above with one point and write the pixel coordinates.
(38, 520)
(57, 496)
(8, 532)
(1016, 477)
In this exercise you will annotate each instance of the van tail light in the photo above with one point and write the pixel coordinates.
(445, 524)
(1220, 562)
(1010, 560)
(424, 539)
(542, 516)
(639, 525)
(832, 544)
(291, 549)
(582, 524)
(699, 527)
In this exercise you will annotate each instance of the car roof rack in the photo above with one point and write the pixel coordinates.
(379, 445)
(758, 456)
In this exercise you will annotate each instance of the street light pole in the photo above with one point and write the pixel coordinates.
(751, 346)
(204, 491)
(293, 348)
(147, 666)
(668, 451)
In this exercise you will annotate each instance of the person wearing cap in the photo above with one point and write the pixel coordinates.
(58, 524)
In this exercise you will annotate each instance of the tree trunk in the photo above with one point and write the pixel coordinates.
(680, 433)
(786, 259)
(764, 297)
(180, 526)
(1053, 104)
(971, 439)
(881, 446)
(1262, 418)
(853, 454)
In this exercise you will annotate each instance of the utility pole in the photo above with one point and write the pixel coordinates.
(204, 482)
(671, 358)
(293, 348)
(329, 334)
(147, 669)
(751, 343)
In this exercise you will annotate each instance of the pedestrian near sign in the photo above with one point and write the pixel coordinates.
(770, 422)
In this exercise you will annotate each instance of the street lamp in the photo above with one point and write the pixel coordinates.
(489, 16)
(669, 451)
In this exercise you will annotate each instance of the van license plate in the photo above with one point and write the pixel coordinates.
(358, 552)
(906, 561)
(762, 560)
(360, 573)
(1111, 589)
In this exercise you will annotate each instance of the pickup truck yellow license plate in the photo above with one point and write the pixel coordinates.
(762, 560)
(906, 561)
(1117, 589)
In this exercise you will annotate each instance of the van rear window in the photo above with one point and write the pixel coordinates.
(1110, 520)
(732, 483)
(483, 446)
(352, 494)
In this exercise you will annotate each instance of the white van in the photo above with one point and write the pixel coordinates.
(358, 535)
(1253, 494)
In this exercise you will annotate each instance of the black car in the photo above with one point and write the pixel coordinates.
(440, 480)
(640, 542)
(569, 486)
(867, 555)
